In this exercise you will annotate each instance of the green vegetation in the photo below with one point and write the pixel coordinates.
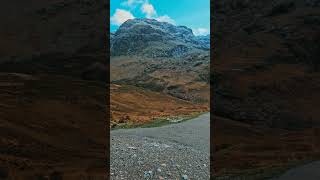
(158, 122)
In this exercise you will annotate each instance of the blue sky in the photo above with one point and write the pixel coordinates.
(194, 14)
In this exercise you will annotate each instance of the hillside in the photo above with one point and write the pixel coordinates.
(133, 105)
(266, 62)
(44, 123)
(186, 79)
(266, 85)
(52, 79)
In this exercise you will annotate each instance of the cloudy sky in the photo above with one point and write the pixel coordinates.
(190, 13)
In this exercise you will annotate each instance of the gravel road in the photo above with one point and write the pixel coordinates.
(176, 151)
(307, 172)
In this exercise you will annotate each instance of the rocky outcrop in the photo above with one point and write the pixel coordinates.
(203, 41)
(151, 38)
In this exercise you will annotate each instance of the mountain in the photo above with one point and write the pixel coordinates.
(153, 57)
(161, 57)
(151, 38)
(204, 41)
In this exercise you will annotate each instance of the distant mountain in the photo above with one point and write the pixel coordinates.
(204, 41)
(151, 38)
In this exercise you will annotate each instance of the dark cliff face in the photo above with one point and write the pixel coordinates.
(151, 38)
(266, 61)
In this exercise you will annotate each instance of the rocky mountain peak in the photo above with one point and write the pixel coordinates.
(149, 37)
(145, 23)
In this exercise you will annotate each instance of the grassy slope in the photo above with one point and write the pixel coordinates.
(146, 90)
(134, 106)
(183, 78)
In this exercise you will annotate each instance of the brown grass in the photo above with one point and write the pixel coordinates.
(131, 104)
(51, 123)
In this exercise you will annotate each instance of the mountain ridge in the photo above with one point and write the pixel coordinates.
(151, 38)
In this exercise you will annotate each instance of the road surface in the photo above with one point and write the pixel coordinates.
(306, 172)
(176, 151)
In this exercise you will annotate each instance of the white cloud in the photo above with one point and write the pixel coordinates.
(201, 31)
(148, 9)
(120, 16)
(165, 18)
